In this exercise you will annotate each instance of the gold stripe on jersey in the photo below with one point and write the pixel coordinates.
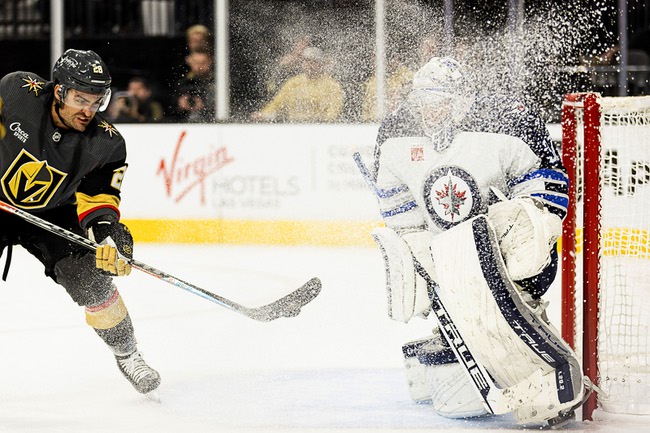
(87, 203)
(107, 315)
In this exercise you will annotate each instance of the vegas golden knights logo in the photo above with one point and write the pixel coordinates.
(30, 183)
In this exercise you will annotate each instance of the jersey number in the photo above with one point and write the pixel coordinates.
(118, 175)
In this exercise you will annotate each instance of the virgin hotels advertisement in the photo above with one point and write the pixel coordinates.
(252, 172)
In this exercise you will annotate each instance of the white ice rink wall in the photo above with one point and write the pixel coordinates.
(249, 184)
(256, 184)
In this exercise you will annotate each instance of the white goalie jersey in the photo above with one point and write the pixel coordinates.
(500, 144)
(429, 190)
(423, 190)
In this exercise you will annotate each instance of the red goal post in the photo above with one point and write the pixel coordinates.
(606, 246)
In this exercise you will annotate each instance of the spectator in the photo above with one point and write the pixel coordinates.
(287, 66)
(136, 105)
(198, 38)
(429, 47)
(311, 96)
(196, 91)
(398, 85)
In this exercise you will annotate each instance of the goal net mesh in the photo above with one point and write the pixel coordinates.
(623, 319)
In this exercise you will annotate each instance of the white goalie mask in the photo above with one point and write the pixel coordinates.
(440, 98)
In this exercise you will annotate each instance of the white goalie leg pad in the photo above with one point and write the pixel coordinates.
(526, 234)
(435, 377)
(498, 327)
(452, 392)
(416, 372)
(546, 404)
(405, 290)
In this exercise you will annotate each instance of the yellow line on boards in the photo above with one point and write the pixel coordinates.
(323, 233)
(615, 241)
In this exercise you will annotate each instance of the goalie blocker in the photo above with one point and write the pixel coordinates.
(500, 332)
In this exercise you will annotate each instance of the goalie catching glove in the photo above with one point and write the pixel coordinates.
(116, 246)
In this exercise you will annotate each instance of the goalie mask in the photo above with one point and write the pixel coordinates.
(86, 72)
(439, 99)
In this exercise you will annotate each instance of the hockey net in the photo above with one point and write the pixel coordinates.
(606, 247)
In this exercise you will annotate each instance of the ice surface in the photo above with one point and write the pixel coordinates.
(336, 367)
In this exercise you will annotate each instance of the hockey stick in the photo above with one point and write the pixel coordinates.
(287, 306)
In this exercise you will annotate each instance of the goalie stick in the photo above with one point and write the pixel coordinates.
(287, 306)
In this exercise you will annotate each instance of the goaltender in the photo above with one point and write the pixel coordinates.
(61, 160)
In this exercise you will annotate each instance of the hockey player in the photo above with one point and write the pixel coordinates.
(62, 160)
(473, 192)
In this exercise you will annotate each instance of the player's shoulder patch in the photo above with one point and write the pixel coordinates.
(21, 82)
(32, 84)
(107, 128)
(24, 92)
(103, 138)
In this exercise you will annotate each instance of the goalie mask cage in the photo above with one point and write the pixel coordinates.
(606, 247)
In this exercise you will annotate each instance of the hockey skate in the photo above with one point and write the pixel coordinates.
(569, 415)
(143, 378)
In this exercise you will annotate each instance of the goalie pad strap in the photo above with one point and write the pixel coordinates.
(430, 351)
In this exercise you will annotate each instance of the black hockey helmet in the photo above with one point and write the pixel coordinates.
(84, 71)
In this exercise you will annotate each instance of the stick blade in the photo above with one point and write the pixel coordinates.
(289, 305)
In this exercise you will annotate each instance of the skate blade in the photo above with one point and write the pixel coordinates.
(153, 396)
(561, 420)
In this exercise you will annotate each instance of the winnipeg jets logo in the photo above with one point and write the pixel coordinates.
(451, 196)
(33, 85)
(108, 128)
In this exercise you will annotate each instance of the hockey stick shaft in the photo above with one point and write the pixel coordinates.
(483, 383)
(287, 306)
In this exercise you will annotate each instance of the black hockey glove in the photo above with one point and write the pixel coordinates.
(116, 246)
